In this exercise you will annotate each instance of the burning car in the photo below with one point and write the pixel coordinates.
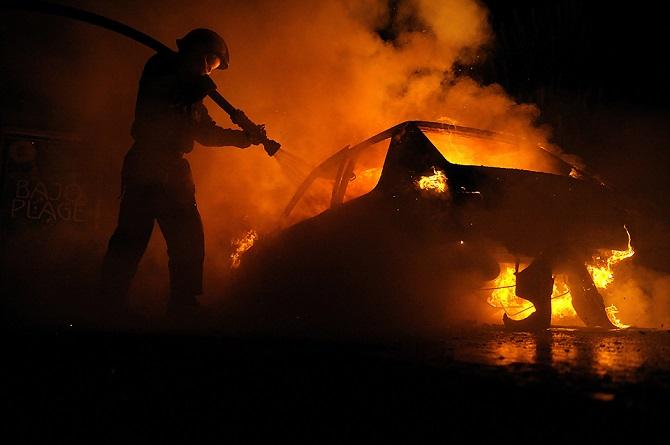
(413, 244)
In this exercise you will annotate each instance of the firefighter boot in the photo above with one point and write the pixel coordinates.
(535, 283)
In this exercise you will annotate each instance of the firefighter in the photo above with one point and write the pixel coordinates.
(156, 179)
(536, 284)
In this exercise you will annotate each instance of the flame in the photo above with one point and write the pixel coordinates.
(561, 299)
(503, 296)
(503, 291)
(437, 182)
(513, 153)
(601, 270)
(611, 314)
(603, 275)
(242, 244)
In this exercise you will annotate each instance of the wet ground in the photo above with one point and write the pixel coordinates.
(472, 385)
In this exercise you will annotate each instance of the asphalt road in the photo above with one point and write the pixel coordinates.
(470, 385)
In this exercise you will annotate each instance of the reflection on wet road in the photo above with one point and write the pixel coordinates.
(628, 356)
(473, 383)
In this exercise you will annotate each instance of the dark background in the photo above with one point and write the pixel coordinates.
(611, 56)
(597, 72)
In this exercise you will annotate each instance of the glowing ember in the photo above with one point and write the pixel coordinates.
(601, 270)
(241, 245)
(437, 182)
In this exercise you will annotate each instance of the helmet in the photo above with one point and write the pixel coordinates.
(205, 41)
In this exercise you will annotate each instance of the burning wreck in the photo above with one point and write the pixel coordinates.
(413, 244)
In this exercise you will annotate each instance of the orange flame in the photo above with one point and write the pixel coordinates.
(601, 270)
(437, 182)
(503, 296)
(611, 314)
(242, 244)
(603, 275)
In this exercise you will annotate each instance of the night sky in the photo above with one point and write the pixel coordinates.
(609, 55)
(598, 74)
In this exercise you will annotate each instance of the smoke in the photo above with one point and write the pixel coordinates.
(321, 76)
(641, 296)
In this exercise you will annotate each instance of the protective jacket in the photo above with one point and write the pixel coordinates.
(157, 181)
(169, 113)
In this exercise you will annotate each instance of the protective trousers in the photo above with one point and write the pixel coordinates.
(170, 200)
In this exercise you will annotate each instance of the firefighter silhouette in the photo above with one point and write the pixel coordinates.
(157, 181)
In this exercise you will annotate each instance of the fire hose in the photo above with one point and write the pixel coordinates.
(237, 116)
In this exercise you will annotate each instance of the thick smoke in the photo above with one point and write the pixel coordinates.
(322, 76)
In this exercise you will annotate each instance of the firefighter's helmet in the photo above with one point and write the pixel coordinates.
(205, 41)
